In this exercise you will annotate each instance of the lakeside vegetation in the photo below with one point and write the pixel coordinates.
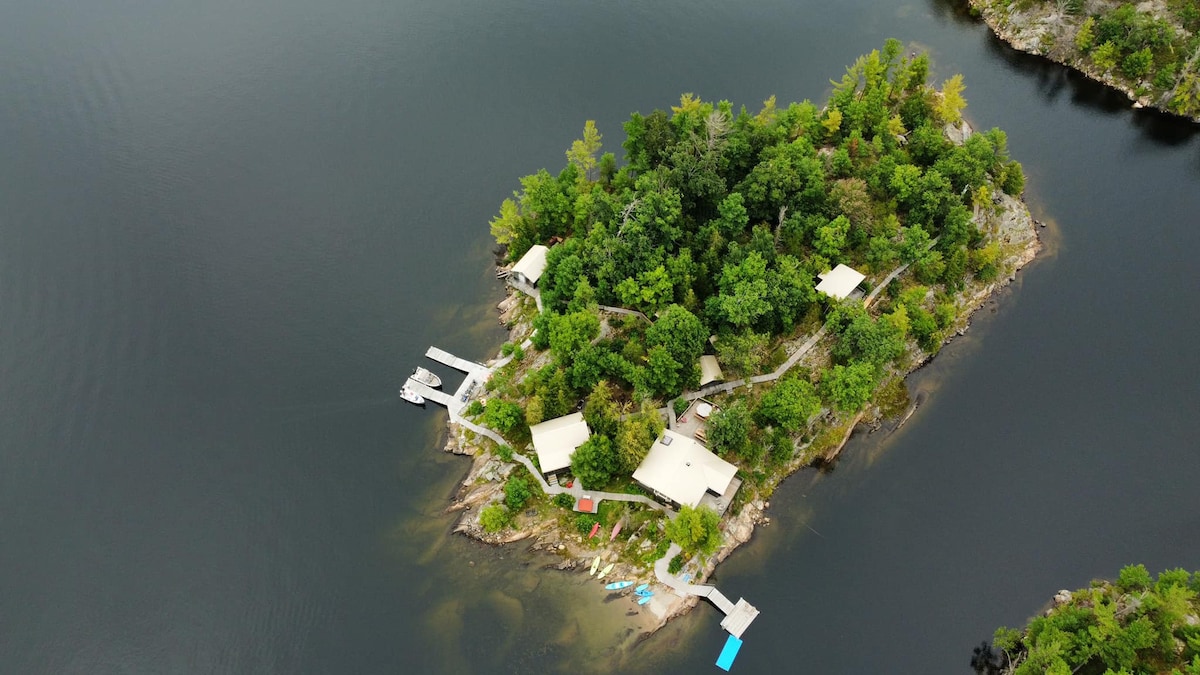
(1151, 50)
(1138, 624)
(716, 226)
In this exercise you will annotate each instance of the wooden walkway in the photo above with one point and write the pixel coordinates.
(454, 404)
(737, 617)
(726, 387)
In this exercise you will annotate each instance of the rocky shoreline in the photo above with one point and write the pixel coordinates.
(1042, 30)
(1009, 223)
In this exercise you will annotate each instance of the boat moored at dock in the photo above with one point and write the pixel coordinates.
(411, 396)
(427, 378)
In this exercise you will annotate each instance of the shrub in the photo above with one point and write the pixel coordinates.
(564, 500)
(516, 493)
(584, 523)
(676, 564)
(1085, 39)
(1165, 77)
(1137, 64)
(505, 453)
(503, 416)
(1105, 56)
(1134, 578)
(680, 405)
(474, 409)
(494, 518)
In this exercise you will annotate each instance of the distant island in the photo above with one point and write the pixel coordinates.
(693, 325)
(1149, 50)
(1137, 624)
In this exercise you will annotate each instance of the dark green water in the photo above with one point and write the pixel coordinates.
(229, 229)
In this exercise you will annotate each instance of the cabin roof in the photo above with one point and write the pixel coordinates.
(682, 470)
(532, 264)
(555, 440)
(710, 370)
(840, 281)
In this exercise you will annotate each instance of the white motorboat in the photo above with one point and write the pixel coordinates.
(411, 396)
(427, 378)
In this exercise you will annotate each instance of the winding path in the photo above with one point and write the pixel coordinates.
(726, 387)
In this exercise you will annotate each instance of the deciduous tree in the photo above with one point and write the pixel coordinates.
(696, 530)
(595, 462)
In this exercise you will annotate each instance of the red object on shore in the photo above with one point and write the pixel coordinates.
(615, 531)
(570, 483)
(595, 529)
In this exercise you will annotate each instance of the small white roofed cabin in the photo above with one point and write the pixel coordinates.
(710, 370)
(530, 267)
(840, 282)
(555, 441)
(679, 470)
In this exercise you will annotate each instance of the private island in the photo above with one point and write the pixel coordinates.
(689, 328)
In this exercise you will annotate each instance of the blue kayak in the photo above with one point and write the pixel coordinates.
(643, 600)
(618, 585)
(645, 594)
(641, 588)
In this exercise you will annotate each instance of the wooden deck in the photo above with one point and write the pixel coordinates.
(737, 621)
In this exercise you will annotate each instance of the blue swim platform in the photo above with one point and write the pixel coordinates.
(729, 653)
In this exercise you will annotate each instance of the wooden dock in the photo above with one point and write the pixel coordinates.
(433, 395)
(737, 617)
(477, 374)
(444, 357)
(737, 621)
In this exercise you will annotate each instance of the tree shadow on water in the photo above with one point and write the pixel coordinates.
(958, 11)
(1054, 80)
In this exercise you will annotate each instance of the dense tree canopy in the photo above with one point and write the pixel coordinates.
(714, 230)
(1137, 625)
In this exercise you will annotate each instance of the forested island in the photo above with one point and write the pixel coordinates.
(1137, 624)
(670, 353)
(1149, 50)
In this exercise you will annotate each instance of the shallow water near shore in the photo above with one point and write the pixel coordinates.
(230, 230)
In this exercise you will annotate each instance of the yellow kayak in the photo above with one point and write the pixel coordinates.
(595, 564)
(607, 568)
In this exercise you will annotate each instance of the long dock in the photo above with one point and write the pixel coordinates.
(477, 374)
(444, 357)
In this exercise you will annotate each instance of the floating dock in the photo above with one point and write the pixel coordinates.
(729, 653)
(477, 374)
(444, 357)
(429, 393)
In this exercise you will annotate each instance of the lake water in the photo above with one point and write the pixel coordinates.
(228, 230)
